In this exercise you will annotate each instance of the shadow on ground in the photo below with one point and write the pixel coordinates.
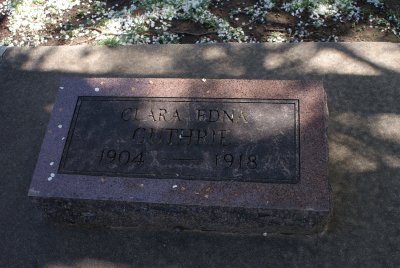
(362, 82)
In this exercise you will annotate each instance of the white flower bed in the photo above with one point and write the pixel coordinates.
(35, 22)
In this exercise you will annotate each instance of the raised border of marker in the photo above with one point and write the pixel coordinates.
(247, 140)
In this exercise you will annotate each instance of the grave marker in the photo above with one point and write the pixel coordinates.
(244, 156)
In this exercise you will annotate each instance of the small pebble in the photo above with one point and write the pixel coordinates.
(51, 163)
(61, 87)
(204, 80)
(174, 186)
(49, 178)
(265, 234)
(59, 126)
(52, 175)
(97, 89)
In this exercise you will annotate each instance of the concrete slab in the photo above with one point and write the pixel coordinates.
(362, 83)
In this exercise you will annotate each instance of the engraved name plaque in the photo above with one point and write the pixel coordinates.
(215, 155)
(245, 140)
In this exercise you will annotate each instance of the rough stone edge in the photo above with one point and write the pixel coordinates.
(330, 197)
(144, 216)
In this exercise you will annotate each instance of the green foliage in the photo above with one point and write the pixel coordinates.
(38, 2)
(151, 21)
(111, 42)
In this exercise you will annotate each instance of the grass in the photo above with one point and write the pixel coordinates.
(111, 42)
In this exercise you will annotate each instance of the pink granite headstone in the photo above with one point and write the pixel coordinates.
(247, 156)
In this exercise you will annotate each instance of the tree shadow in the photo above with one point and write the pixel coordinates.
(362, 89)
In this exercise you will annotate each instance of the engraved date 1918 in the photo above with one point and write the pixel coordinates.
(237, 161)
(124, 157)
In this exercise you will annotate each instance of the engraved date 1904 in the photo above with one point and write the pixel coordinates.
(124, 157)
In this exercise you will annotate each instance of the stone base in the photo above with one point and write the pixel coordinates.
(183, 218)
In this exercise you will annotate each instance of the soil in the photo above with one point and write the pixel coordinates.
(393, 5)
(276, 22)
